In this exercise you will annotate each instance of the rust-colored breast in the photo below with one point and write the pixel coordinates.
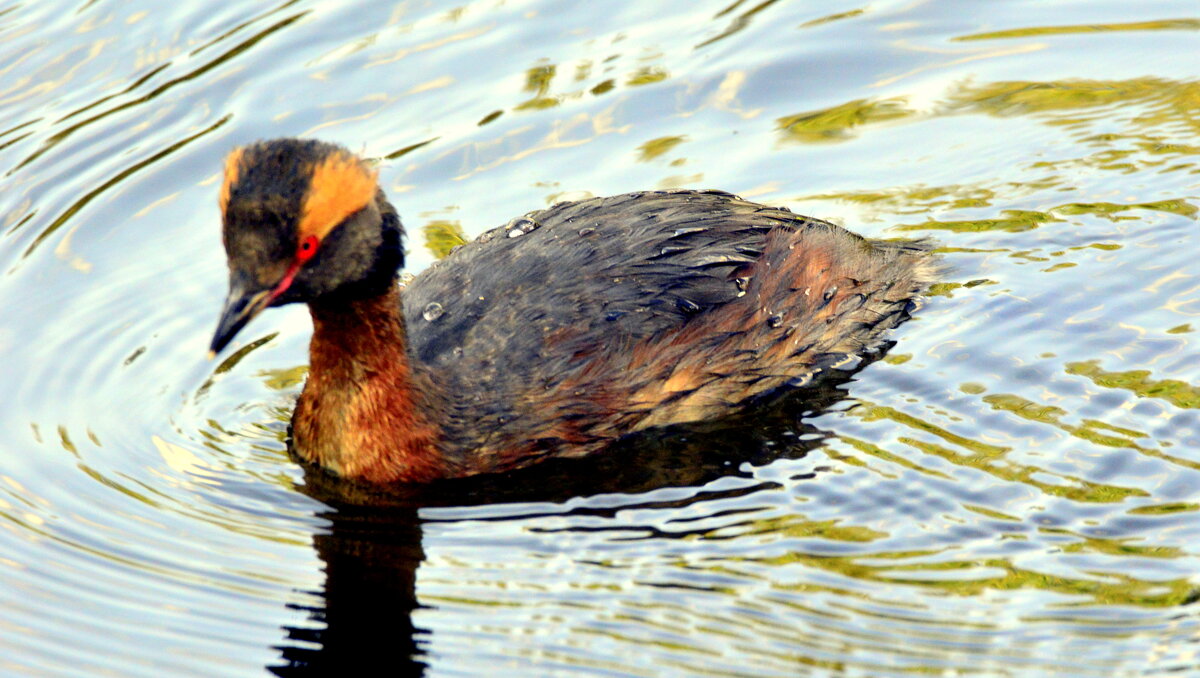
(363, 413)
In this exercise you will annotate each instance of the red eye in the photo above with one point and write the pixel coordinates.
(307, 248)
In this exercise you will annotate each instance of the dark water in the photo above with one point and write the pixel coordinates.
(1012, 491)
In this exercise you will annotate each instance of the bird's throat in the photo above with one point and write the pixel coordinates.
(363, 413)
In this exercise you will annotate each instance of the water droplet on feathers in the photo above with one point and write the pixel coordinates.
(432, 311)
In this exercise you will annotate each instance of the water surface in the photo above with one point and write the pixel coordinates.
(1011, 491)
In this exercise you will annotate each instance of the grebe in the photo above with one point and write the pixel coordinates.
(552, 336)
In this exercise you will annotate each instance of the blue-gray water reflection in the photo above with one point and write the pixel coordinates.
(1011, 490)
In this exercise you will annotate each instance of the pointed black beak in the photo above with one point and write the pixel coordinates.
(241, 306)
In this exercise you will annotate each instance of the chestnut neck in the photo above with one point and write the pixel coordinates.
(359, 335)
(365, 412)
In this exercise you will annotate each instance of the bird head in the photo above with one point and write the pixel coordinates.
(302, 221)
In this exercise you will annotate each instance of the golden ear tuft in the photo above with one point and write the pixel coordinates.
(340, 185)
(233, 168)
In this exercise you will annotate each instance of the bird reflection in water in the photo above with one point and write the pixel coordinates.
(374, 548)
